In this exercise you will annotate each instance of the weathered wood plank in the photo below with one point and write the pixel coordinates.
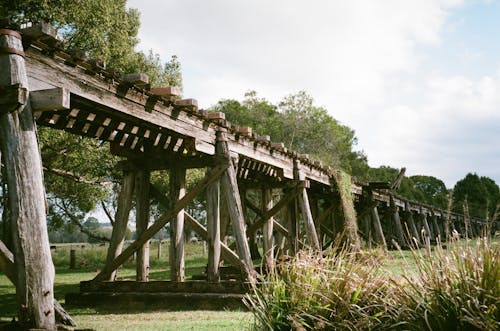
(23, 167)
(101, 95)
(51, 99)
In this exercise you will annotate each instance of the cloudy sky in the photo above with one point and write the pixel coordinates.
(418, 80)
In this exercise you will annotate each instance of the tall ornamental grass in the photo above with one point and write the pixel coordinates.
(454, 289)
(340, 291)
(457, 288)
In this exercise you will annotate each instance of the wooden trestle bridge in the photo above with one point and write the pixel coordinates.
(154, 130)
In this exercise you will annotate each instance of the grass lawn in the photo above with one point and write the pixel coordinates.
(89, 260)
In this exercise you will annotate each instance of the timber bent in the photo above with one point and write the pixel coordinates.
(302, 203)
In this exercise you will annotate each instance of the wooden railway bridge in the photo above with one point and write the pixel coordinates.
(301, 202)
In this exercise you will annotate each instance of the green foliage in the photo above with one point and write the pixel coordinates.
(453, 289)
(78, 170)
(301, 125)
(425, 189)
(341, 291)
(481, 193)
(456, 289)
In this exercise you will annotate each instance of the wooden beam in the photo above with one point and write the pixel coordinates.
(142, 178)
(8, 267)
(23, 167)
(379, 233)
(226, 252)
(233, 199)
(398, 227)
(124, 204)
(267, 230)
(412, 228)
(50, 99)
(305, 208)
(177, 191)
(160, 223)
(213, 231)
(12, 97)
(276, 208)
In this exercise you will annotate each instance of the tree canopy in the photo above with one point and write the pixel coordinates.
(79, 172)
(301, 125)
(481, 193)
(426, 189)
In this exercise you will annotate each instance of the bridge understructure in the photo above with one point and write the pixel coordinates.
(253, 187)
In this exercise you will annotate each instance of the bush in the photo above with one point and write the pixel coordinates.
(457, 288)
(340, 291)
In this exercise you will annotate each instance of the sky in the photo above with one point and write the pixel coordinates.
(418, 80)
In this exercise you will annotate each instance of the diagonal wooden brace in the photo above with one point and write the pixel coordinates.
(160, 223)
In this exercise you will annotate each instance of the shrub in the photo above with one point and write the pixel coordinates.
(457, 288)
(454, 289)
(340, 291)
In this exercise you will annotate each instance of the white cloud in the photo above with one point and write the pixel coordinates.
(359, 59)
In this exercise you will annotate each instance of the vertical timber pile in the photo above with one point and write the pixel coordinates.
(213, 231)
(398, 227)
(305, 208)
(19, 146)
(121, 220)
(233, 199)
(411, 226)
(267, 230)
(142, 221)
(177, 192)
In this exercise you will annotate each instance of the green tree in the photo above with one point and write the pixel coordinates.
(79, 171)
(301, 125)
(471, 189)
(433, 190)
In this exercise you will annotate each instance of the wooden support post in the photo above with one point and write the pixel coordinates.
(123, 207)
(159, 224)
(9, 269)
(435, 226)
(267, 230)
(378, 233)
(303, 198)
(213, 231)
(427, 235)
(230, 184)
(412, 228)
(19, 146)
(397, 223)
(177, 191)
(142, 178)
(252, 236)
(224, 216)
(226, 253)
(292, 223)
